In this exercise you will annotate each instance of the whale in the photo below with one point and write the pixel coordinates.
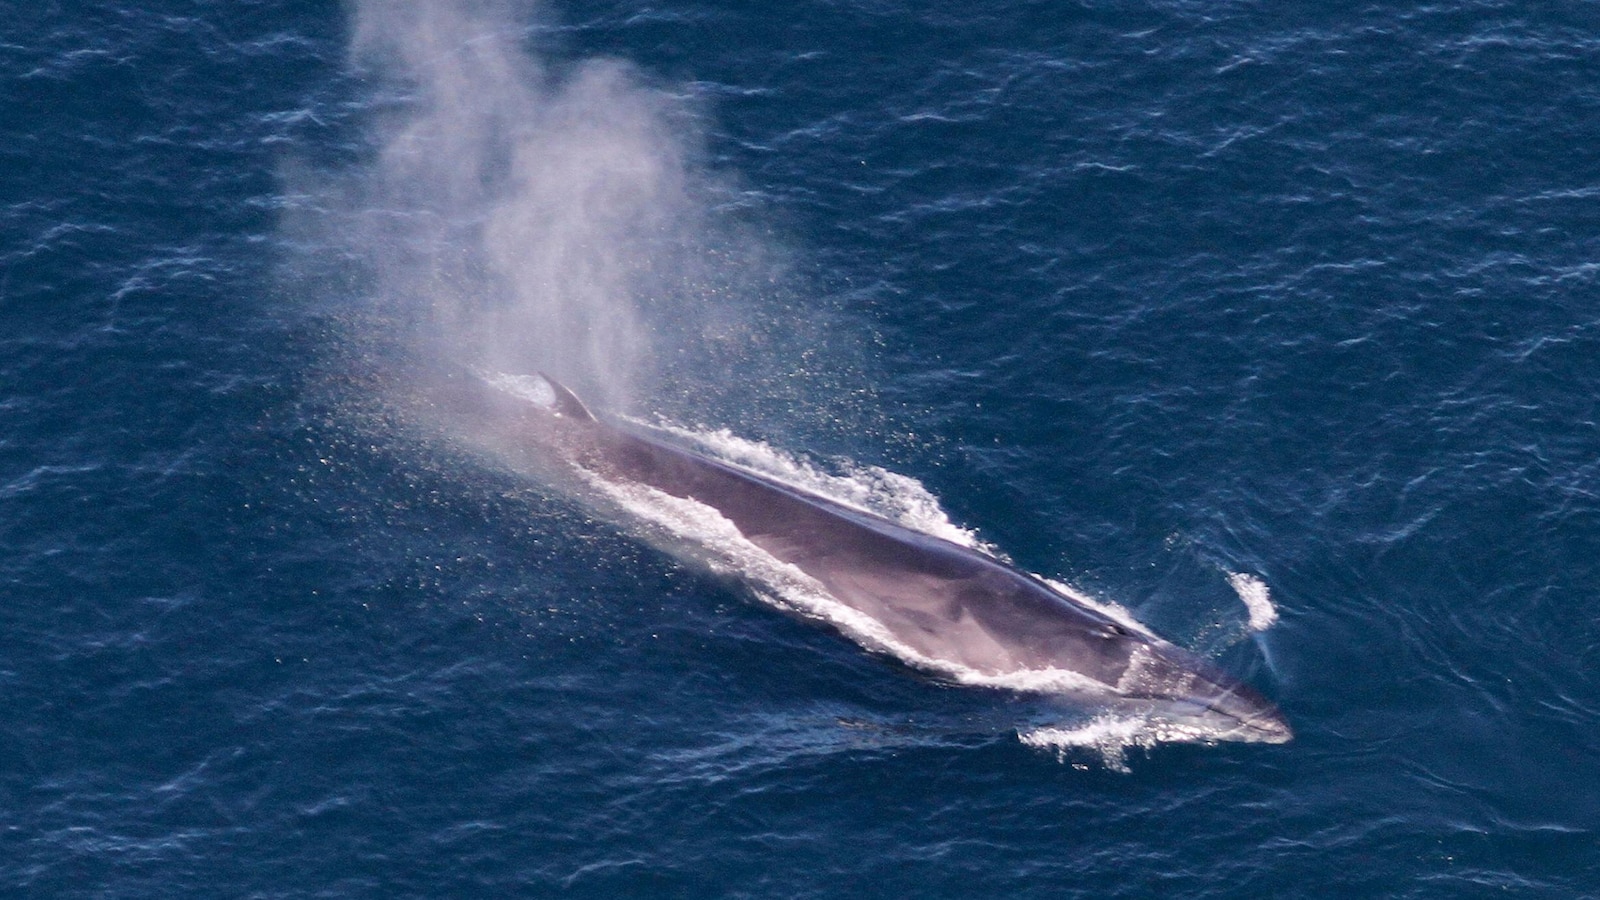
(938, 604)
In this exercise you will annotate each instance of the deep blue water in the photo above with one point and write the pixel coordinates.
(1144, 294)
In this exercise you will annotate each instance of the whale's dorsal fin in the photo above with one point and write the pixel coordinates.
(567, 403)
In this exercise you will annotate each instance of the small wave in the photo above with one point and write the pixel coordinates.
(1257, 599)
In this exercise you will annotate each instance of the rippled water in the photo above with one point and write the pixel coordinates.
(1177, 304)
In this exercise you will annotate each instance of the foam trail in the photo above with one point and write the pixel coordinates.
(1257, 599)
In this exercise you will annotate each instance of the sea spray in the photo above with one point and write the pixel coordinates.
(508, 203)
(513, 212)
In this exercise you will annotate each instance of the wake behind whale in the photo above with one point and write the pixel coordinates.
(934, 602)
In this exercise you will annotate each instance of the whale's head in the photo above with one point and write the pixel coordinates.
(1235, 713)
(1188, 695)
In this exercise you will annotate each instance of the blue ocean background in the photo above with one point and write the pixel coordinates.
(1145, 294)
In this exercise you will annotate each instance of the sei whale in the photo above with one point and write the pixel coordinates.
(942, 603)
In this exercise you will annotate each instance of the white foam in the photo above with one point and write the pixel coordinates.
(1257, 599)
(1111, 735)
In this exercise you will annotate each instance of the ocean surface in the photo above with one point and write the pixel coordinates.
(1276, 325)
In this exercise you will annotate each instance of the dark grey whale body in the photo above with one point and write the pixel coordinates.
(947, 604)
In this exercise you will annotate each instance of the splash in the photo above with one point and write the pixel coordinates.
(515, 212)
(505, 203)
(1257, 599)
(1109, 737)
